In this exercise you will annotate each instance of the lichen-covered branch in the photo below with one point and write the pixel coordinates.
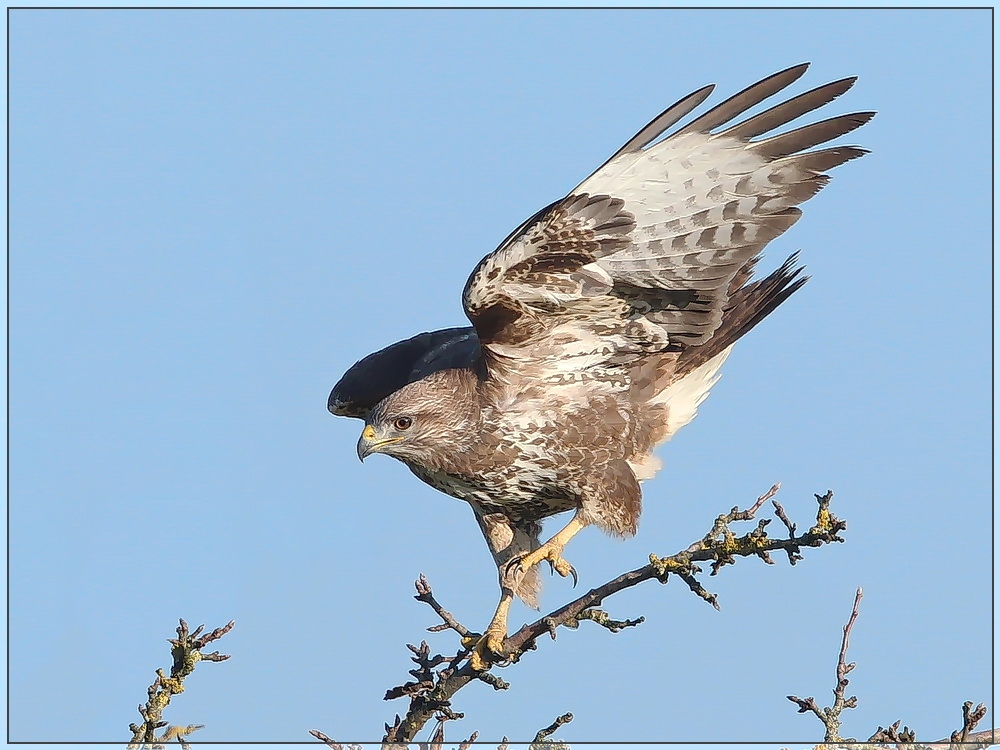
(721, 546)
(186, 650)
(438, 678)
(433, 686)
(542, 741)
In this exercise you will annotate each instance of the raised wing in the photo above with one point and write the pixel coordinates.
(376, 376)
(650, 251)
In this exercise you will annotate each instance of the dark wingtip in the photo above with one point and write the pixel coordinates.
(340, 405)
(801, 68)
(333, 404)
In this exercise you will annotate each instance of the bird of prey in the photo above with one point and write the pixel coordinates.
(598, 327)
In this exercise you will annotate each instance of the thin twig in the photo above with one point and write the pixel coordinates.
(752, 510)
(903, 739)
(426, 595)
(326, 740)
(831, 716)
(843, 667)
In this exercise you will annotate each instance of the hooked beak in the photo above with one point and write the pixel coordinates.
(369, 442)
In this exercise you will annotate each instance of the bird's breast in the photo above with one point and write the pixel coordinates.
(522, 489)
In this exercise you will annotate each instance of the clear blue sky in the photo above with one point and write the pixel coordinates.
(214, 213)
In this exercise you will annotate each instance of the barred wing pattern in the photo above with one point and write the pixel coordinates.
(648, 252)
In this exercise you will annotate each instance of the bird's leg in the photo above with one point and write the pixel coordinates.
(551, 551)
(490, 645)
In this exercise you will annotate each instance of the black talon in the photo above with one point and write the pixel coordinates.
(512, 566)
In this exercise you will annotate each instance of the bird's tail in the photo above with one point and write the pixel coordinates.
(688, 376)
(749, 303)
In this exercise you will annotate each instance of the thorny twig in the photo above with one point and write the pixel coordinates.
(186, 653)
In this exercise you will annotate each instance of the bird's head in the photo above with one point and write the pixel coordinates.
(422, 422)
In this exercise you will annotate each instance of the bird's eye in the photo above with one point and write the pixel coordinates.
(403, 423)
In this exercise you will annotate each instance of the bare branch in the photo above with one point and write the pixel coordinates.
(430, 700)
(972, 741)
(186, 653)
(326, 740)
(970, 718)
(905, 739)
(424, 594)
(893, 735)
(432, 692)
(962, 739)
(831, 716)
(601, 618)
(808, 704)
(541, 738)
(843, 667)
(493, 680)
(752, 510)
(720, 545)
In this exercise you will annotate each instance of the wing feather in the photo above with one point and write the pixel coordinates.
(810, 135)
(654, 251)
(784, 113)
(374, 377)
(749, 97)
(663, 121)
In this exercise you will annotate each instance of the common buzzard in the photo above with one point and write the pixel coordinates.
(598, 327)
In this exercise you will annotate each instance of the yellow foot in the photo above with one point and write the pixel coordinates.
(486, 650)
(551, 551)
